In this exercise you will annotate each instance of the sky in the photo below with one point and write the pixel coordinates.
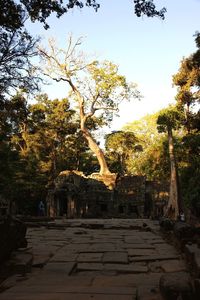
(148, 51)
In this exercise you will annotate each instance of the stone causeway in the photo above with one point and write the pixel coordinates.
(92, 259)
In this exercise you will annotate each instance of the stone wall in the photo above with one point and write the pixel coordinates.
(76, 195)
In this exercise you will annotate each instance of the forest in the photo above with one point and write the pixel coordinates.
(40, 137)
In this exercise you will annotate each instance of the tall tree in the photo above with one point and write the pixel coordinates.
(187, 81)
(152, 160)
(167, 121)
(55, 137)
(17, 48)
(37, 141)
(96, 87)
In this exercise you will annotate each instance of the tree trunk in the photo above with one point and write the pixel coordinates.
(187, 115)
(173, 207)
(104, 170)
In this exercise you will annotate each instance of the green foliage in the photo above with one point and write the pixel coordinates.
(96, 88)
(37, 142)
(103, 89)
(169, 118)
(187, 81)
(189, 168)
(120, 147)
(152, 161)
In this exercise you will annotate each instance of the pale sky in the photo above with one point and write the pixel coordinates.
(147, 50)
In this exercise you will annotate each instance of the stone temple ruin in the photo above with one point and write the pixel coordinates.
(76, 196)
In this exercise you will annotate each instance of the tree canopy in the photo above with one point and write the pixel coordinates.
(96, 87)
(13, 12)
(120, 146)
(187, 81)
(17, 71)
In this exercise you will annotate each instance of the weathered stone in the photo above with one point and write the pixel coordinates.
(168, 266)
(141, 252)
(93, 195)
(193, 257)
(128, 280)
(153, 257)
(89, 267)
(90, 257)
(11, 281)
(121, 268)
(54, 279)
(64, 256)
(115, 257)
(155, 266)
(133, 240)
(64, 296)
(176, 285)
(60, 268)
(157, 242)
(148, 293)
(21, 262)
(101, 248)
(172, 266)
(138, 246)
(164, 247)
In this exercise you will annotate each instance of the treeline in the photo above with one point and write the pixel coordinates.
(37, 141)
(167, 144)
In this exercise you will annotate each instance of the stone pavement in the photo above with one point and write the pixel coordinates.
(119, 259)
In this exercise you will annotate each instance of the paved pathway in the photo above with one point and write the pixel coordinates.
(92, 259)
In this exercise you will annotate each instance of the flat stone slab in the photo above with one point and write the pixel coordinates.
(117, 268)
(39, 260)
(141, 252)
(127, 280)
(148, 293)
(158, 242)
(58, 289)
(193, 256)
(138, 246)
(129, 268)
(115, 257)
(133, 240)
(163, 251)
(65, 296)
(89, 267)
(64, 257)
(60, 268)
(102, 247)
(90, 257)
(52, 279)
(171, 266)
(152, 257)
(81, 240)
(77, 248)
(21, 261)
